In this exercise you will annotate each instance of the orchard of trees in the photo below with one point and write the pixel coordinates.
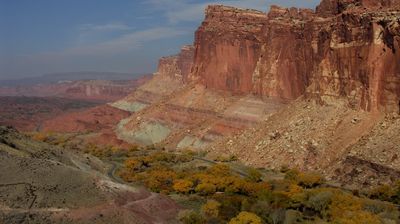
(230, 197)
(215, 192)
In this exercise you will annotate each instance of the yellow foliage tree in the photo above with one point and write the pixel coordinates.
(294, 190)
(211, 208)
(246, 218)
(183, 186)
(254, 189)
(347, 209)
(343, 203)
(160, 180)
(207, 178)
(358, 217)
(309, 179)
(132, 164)
(233, 184)
(220, 170)
(206, 188)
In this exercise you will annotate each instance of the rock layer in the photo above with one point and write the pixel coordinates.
(173, 72)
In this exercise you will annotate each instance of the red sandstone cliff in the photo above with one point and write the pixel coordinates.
(346, 49)
(333, 7)
(177, 66)
(227, 48)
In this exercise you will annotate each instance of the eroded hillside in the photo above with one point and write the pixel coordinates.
(41, 183)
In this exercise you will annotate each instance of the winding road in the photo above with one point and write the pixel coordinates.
(111, 173)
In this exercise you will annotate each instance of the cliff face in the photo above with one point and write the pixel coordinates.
(287, 56)
(351, 55)
(177, 66)
(358, 59)
(333, 7)
(346, 49)
(227, 48)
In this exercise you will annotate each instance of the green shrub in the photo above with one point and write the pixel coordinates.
(320, 201)
(191, 217)
(292, 174)
(253, 175)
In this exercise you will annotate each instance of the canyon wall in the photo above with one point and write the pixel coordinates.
(228, 46)
(229, 92)
(346, 49)
(359, 60)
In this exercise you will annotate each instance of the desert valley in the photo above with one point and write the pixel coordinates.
(286, 116)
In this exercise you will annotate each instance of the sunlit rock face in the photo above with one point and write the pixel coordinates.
(228, 45)
(358, 57)
(346, 49)
(287, 57)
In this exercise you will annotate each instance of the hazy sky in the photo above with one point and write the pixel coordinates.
(48, 36)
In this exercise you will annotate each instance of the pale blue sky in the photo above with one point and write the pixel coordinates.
(49, 36)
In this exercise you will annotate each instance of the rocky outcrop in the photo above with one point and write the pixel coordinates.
(177, 66)
(172, 72)
(358, 59)
(346, 49)
(333, 7)
(102, 90)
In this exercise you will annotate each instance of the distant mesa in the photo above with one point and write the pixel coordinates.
(69, 76)
(94, 86)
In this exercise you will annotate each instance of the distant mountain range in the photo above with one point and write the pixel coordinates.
(68, 76)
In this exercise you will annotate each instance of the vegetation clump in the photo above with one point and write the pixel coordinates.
(220, 192)
(247, 196)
